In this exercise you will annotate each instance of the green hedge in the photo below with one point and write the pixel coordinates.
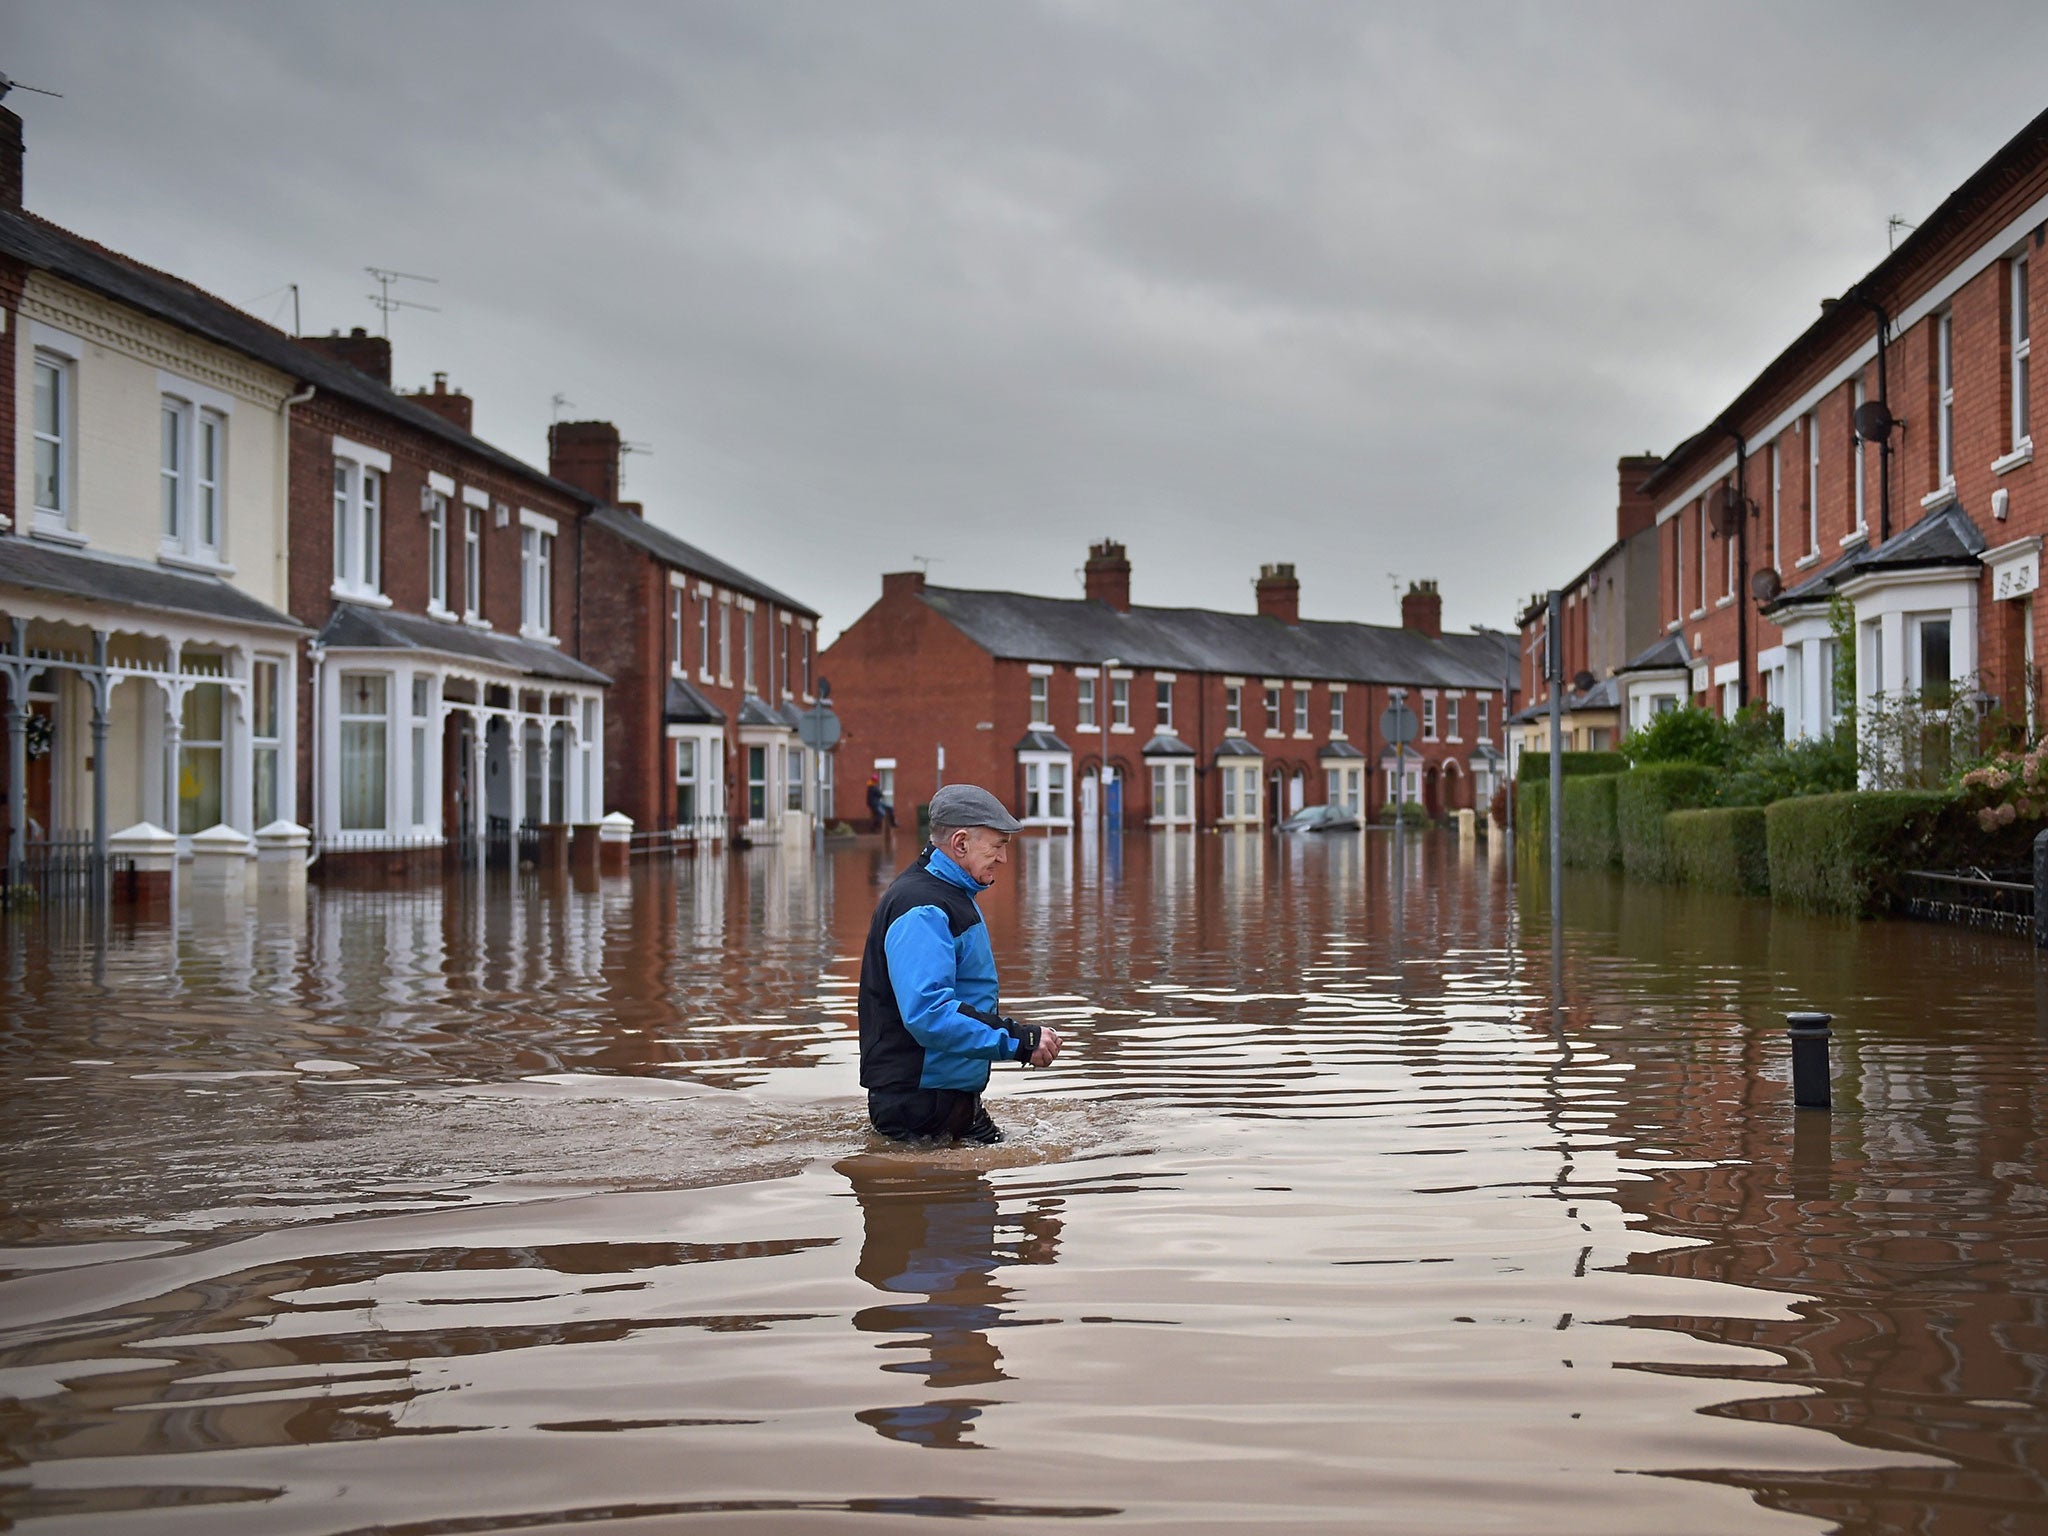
(1592, 839)
(1724, 850)
(1411, 813)
(1644, 797)
(1576, 763)
(1844, 853)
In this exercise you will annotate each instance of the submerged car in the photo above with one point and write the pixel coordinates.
(1321, 818)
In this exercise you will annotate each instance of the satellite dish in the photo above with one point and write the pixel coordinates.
(1874, 421)
(1582, 682)
(1764, 585)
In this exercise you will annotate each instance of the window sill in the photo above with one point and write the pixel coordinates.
(1123, 730)
(2022, 454)
(357, 595)
(1854, 536)
(1302, 736)
(1088, 730)
(1934, 501)
(474, 622)
(1697, 613)
(180, 561)
(53, 534)
(436, 611)
(1674, 626)
(1805, 560)
(1723, 602)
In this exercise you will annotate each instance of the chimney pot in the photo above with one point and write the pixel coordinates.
(1422, 609)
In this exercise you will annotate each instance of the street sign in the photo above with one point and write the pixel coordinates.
(1398, 725)
(819, 729)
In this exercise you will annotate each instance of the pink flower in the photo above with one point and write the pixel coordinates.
(2005, 815)
(1987, 819)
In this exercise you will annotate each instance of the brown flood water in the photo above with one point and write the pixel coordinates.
(1355, 1204)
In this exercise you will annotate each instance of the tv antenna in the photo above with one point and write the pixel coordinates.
(558, 404)
(926, 562)
(625, 449)
(384, 277)
(1893, 225)
(7, 84)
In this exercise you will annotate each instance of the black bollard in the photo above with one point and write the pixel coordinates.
(1810, 1034)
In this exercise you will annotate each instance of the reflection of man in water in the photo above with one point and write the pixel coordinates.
(935, 1237)
(929, 1025)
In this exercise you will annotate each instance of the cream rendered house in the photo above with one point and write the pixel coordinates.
(151, 666)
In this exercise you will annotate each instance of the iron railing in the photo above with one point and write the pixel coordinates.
(62, 869)
(1978, 898)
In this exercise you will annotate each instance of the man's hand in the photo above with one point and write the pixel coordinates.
(1048, 1046)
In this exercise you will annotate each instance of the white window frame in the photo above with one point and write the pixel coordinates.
(725, 639)
(474, 504)
(677, 599)
(1777, 500)
(423, 699)
(382, 721)
(1173, 791)
(359, 476)
(1857, 394)
(1945, 383)
(1120, 701)
(1270, 703)
(747, 662)
(1301, 697)
(1812, 487)
(537, 574)
(1084, 702)
(1337, 696)
(2020, 365)
(437, 554)
(62, 440)
(1233, 709)
(1048, 788)
(703, 632)
(1040, 700)
(267, 744)
(1485, 726)
(190, 499)
(1700, 511)
(1162, 702)
(1453, 726)
(1244, 791)
(1429, 717)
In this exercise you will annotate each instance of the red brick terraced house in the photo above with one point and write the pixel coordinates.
(1197, 718)
(1884, 459)
(712, 670)
(447, 710)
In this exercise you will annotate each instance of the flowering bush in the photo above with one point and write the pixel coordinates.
(2011, 786)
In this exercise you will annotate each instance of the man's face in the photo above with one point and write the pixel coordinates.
(981, 851)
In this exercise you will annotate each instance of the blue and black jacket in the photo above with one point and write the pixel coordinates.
(928, 986)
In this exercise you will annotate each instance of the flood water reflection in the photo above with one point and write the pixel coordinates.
(1354, 1201)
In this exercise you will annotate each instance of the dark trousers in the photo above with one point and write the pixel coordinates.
(931, 1114)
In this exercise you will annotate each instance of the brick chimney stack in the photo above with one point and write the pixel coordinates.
(1109, 575)
(1279, 594)
(1422, 609)
(1635, 510)
(12, 149)
(358, 349)
(451, 405)
(586, 454)
(902, 584)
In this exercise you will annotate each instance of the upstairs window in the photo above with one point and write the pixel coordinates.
(704, 635)
(2022, 347)
(1163, 707)
(1429, 717)
(1336, 713)
(1451, 712)
(1233, 707)
(1813, 482)
(192, 444)
(747, 647)
(472, 562)
(1272, 711)
(805, 645)
(54, 440)
(725, 641)
(1945, 385)
(675, 630)
(1041, 689)
(1084, 702)
(1856, 398)
(358, 529)
(536, 581)
(1120, 703)
(1301, 711)
(437, 552)
(1485, 725)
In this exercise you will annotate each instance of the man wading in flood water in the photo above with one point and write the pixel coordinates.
(929, 1026)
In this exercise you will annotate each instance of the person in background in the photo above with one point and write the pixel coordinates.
(930, 1025)
(879, 810)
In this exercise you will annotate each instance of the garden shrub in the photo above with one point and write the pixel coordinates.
(1845, 853)
(1591, 839)
(1722, 849)
(1411, 813)
(1644, 797)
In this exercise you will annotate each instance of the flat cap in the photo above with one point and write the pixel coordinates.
(969, 805)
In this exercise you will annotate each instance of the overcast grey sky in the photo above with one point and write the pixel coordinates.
(1372, 288)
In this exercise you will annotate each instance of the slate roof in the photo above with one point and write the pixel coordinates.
(1340, 749)
(1605, 694)
(354, 627)
(1083, 632)
(684, 705)
(118, 581)
(1166, 744)
(1947, 537)
(46, 246)
(1039, 741)
(667, 547)
(1670, 654)
(1237, 746)
(755, 711)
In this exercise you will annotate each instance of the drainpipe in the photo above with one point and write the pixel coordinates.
(1741, 537)
(284, 422)
(316, 653)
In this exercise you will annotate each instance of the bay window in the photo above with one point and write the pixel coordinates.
(1173, 790)
(266, 731)
(201, 750)
(1046, 779)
